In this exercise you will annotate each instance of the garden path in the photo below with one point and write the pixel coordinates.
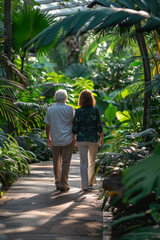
(33, 209)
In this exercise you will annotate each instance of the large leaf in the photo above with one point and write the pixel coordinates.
(84, 21)
(142, 5)
(153, 6)
(107, 3)
(153, 23)
(77, 70)
(151, 233)
(141, 179)
(110, 112)
(27, 23)
(126, 3)
(123, 116)
(3, 139)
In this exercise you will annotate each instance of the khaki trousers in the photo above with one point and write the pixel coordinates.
(87, 153)
(61, 164)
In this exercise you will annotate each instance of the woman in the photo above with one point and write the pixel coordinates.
(87, 125)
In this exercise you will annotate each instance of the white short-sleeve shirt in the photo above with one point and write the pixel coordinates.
(60, 117)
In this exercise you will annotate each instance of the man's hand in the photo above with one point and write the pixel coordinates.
(49, 143)
(74, 139)
(48, 136)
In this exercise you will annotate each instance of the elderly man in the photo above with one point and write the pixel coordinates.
(58, 121)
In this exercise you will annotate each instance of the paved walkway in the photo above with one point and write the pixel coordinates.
(32, 209)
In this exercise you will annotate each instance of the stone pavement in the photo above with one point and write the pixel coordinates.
(32, 209)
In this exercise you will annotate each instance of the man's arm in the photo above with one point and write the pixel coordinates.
(48, 135)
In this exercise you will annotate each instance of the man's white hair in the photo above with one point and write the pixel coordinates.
(61, 95)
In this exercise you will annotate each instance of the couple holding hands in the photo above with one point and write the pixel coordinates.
(65, 128)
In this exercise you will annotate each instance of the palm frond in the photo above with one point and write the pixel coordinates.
(3, 139)
(84, 21)
(153, 23)
(10, 111)
(151, 233)
(8, 87)
(104, 3)
(35, 138)
(122, 13)
(141, 179)
(77, 70)
(153, 7)
(154, 85)
(27, 23)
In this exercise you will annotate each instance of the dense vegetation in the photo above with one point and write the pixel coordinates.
(115, 53)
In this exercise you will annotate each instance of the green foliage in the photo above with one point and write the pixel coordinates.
(108, 163)
(143, 178)
(77, 70)
(151, 233)
(3, 139)
(36, 142)
(8, 110)
(100, 19)
(27, 23)
(110, 114)
(13, 161)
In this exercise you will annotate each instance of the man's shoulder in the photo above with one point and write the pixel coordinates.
(69, 107)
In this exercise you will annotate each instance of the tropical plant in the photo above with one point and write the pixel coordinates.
(134, 197)
(8, 110)
(143, 15)
(143, 178)
(13, 161)
(27, 22)
(7, 26)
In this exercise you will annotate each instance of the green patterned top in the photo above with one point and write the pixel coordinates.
(87, 124)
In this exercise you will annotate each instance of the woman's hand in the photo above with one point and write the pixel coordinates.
(101, 139)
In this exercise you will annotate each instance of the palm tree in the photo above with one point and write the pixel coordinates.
(7, 25)
(143, 15)
(26, 24)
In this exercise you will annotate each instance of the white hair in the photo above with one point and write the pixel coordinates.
(61, 95)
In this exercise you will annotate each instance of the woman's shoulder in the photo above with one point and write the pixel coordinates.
(95, 109)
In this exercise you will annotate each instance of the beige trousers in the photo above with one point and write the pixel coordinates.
(61, 164)
(87, 153)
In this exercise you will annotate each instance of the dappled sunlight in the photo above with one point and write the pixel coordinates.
(34, 206)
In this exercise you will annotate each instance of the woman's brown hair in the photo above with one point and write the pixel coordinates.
(86, 99)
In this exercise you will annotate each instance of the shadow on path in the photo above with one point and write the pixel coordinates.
(33, 210)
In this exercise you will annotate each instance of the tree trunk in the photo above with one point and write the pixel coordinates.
(147, 75)
(7, 45)
(22, 61)
(7, 25)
